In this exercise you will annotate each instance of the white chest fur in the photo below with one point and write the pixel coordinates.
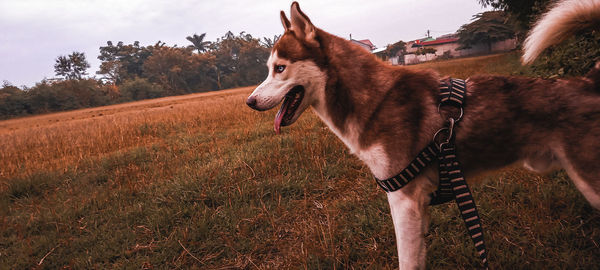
(374, 156)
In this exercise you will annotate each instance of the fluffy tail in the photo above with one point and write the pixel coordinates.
(563, 20)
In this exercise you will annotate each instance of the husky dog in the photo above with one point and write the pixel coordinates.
(386, 114)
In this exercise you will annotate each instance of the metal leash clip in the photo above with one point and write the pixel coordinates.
(449, 130)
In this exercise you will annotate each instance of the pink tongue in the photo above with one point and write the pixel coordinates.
(279, 117)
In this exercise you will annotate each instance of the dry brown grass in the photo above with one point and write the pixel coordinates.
(58, 140)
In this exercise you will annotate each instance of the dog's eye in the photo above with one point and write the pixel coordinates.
(279, 68)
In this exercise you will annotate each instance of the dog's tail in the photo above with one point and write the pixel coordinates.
(563, 20)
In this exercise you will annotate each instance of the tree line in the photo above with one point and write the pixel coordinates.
(131, 72)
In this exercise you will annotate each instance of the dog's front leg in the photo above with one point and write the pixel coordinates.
(411, 221)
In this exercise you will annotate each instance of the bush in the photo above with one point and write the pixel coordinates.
(425, 50)
(13, 101)
(140, 88)
(52, 96)
(575, 57)
(446, 55)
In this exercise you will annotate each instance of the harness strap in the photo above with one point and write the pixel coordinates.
(452, 92)
(452, 184)
(451, 171)
(423, 159)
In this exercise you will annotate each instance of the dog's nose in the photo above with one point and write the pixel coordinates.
(251, 102)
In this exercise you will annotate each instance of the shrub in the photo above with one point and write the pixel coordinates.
(13, 101)
(140, 88)
(425, 50)
(51, 96)
(575, 57)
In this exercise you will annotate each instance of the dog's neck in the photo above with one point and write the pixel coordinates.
(350, 98)
(369, 104)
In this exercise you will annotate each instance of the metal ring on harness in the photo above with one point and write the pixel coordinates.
(462, 112)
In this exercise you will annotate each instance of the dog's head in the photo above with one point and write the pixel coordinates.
(295, 77)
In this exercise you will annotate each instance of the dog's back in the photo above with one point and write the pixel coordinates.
(547, 123)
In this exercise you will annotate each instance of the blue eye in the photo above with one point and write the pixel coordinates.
(279, 68)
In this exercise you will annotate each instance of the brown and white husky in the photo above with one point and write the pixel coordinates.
(386, 114)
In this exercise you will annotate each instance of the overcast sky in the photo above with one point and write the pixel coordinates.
(34, 32)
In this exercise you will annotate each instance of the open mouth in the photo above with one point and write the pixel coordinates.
(291, 103)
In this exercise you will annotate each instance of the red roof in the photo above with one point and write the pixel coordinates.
(368, 42)
(438, 41)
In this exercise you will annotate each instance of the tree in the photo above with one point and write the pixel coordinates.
(124, 62)
(62, 67)
(50, 96)
(521, 12)
(393, 50)
(171, 68)
(252, 62)
(139, 88)
(239, 60)
(225, 52)
(13, 101)
(198, 42)
(269, 43)
(71, 67)
(487, 27)
(231, 61)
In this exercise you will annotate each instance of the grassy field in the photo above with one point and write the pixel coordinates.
(201, 181)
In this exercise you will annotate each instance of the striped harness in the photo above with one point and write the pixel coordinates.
(452, 184)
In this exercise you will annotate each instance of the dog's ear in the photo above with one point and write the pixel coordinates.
(302, 26)
(286, 23)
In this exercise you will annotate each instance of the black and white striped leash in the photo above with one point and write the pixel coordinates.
(452, 184)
